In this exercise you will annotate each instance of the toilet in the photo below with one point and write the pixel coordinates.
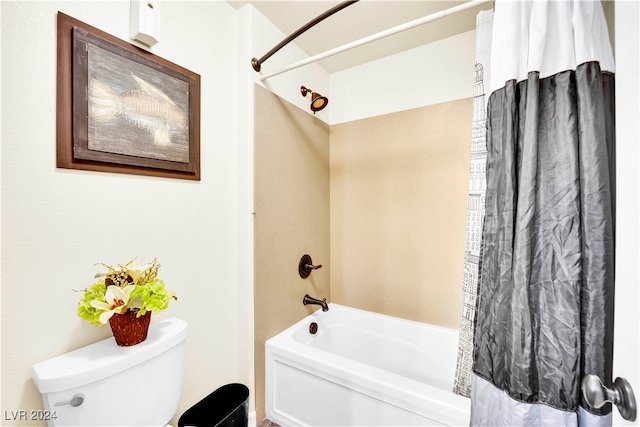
(103, 384)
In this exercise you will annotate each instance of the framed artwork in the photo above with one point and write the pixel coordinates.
(123, 109)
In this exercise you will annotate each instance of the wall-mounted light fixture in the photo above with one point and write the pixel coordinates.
(318, 102)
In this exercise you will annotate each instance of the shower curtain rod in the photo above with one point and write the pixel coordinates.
(382, 34)
(256, 63)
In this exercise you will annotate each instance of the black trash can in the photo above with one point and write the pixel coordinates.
(228, 406)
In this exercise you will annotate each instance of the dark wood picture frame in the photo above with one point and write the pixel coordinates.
(122, 109)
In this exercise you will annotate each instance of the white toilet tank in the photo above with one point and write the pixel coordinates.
(108, 385)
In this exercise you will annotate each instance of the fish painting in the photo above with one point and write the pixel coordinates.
(147, 107)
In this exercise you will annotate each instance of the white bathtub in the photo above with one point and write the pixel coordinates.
(362, 369)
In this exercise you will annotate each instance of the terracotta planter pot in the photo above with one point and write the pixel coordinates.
(128, 329)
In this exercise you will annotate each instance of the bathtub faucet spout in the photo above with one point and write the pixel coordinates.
(310, 300)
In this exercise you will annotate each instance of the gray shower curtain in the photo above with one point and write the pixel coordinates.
(544, 315)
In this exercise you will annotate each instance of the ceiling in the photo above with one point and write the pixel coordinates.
(362, 19)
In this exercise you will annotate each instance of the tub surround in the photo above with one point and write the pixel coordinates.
(304, 192)
(399, 193)
(291, 204)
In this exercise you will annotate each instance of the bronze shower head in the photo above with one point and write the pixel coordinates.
(318, 102)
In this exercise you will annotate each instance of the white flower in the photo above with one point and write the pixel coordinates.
(136, 269)
(117, 299)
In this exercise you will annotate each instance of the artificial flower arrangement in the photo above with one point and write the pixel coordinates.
(131, 291)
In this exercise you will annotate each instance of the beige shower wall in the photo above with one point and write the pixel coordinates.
(399, 187)
(382, 207)
(291, 204)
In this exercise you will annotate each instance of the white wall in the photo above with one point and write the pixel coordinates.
(627, 316)
(262, 35)
(437, 72)
(57, 224)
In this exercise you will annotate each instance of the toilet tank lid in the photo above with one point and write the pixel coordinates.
(105, 358)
